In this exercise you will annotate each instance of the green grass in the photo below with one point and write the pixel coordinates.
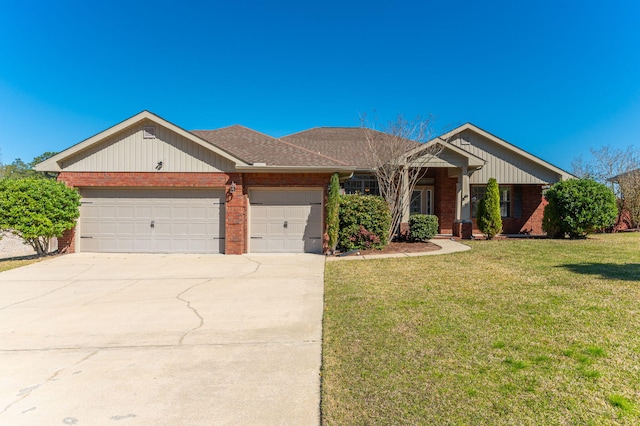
(512, 332)
(7, 264)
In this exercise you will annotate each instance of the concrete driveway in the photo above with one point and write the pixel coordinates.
(129, 339)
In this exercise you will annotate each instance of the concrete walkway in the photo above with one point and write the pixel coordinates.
(121, 339)
(447, 247)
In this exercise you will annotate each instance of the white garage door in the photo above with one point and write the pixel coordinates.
(152, 221)
(286, 221)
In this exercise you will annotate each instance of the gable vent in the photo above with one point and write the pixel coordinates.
(149, 132)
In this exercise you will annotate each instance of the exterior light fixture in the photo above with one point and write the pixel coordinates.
(159, 165)
(232, 187)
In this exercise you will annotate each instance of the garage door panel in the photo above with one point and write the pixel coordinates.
(300, 210)
(185, 220)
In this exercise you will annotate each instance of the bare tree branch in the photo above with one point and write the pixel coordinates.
(399, 157)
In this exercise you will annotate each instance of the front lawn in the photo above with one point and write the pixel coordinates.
(512, 332)
(7, 264)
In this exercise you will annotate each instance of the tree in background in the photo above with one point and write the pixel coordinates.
(619, 169)
(333, 212)
(392, 149)
(488, 215)
(37, 210)
(629, 189)
(20, 170)
(578, 207)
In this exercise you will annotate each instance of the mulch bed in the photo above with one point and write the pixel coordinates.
(401, 247)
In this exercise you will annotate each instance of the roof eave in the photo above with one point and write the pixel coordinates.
(294, 169)
(53, 164)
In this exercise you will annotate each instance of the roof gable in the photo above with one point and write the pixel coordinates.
(505, 161)
(126, 134)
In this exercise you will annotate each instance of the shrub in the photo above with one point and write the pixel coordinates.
(37, 210)
(578, 207)
(488, 215)
(423, 227)
(333, 209)
(364, 222)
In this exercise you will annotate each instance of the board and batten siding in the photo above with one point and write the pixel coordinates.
(445, 158)
(502, 164)
(130, 151)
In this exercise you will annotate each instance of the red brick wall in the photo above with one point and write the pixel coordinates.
(533, 204)
(235, 239)
(144, 179)
(444, 200)
(236, 206)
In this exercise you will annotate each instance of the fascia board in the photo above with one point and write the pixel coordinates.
(468, 126)
(53, 164)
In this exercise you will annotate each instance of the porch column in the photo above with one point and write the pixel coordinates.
(466, 195)
(463, 227)
(406, 197)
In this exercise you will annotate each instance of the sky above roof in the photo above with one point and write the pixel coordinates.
(553, 78)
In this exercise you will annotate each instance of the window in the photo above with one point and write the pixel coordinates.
(478, 193)
(362, 184)
(421, 201)
(505, 201)
(416, 203)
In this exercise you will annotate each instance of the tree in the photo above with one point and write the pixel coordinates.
(392, 153)
(20, 170)
(488, 215)
(333, 210)
(619, 169)
(606, 163)
(37, 210)
(629, 189)
(578, 207)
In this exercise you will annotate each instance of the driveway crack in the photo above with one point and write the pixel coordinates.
(26, 392)
(38, 296)
(258, 265)
(195, 311)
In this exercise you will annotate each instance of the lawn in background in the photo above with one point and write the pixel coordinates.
(512, 332)
(7, 264)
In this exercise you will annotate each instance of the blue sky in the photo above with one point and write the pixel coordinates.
(553, 77)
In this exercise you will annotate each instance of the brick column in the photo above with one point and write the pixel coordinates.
(236, 216)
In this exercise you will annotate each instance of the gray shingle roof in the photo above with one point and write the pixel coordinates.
(349, 144)
(255, 147)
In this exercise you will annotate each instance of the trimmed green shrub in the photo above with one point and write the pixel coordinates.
(364, 222)
(488, 215)
(333, 212)
(578, 207)
(37, 210)
(423, 227)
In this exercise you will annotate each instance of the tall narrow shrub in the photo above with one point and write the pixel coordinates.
(333, 210)
(488, 215)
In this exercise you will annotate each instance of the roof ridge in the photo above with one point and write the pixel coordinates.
(313, 152)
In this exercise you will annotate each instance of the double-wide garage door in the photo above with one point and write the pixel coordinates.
(286, 221)
(152, 220)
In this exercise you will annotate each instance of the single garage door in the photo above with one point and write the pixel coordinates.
(286, 221)
(152, 221)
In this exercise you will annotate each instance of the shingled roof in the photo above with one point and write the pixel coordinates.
(349, 144)
(255, 147)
